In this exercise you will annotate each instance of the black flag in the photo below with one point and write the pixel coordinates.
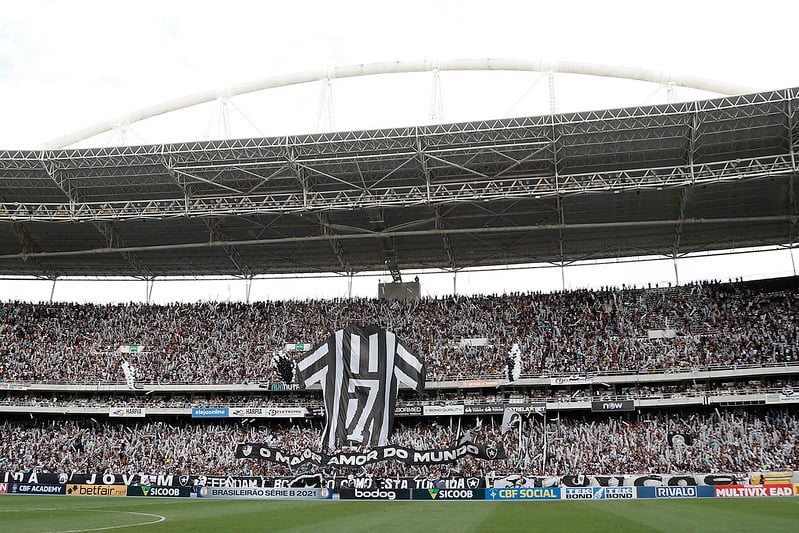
(284, 366)
(680, 439)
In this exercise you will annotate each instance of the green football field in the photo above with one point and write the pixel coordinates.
(54, 513)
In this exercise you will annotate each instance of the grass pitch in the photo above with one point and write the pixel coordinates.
(68, 514)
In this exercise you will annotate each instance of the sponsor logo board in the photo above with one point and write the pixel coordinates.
(609, 407)
(538, 408)
(34, 488)
(752, 491)
(96, 490)
(375, 494)
(676, 492)
(619, 493)
(438, 410)
(246, 412)
(126, 412)
(278, 387)
(285, 412)
(210, 412)
(598, 493)
(439, 494)
(408, 410)
(524, 493)
(562, 381)
(583, 493)
(160, 492)
(267, 412)
(258, 493)
(3, 488)
(484, 409)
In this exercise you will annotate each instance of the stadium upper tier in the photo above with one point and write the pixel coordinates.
(628, 331)
(659, 180)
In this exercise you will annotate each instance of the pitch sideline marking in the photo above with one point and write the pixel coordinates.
(158, 516)
(160, 519)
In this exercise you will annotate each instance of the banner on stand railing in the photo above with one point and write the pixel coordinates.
(375, 455)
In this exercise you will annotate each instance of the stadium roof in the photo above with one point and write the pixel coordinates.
(661, 180)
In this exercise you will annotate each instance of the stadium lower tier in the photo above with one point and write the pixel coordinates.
(552, 444)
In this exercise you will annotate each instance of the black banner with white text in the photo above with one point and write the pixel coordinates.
(382, 453)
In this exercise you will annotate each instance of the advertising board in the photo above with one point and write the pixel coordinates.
(126, 412)
(524, 493)
(267, 412)
(612, 406)
(442, 410)
(159, 492)
(256, 493)
(33, 488)
(96, 490)
(448, 494)
(375, 494)
(750, 491)
(210, 412)
(598, 493)
(676, 491)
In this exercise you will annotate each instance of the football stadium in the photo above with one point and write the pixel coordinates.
(507, 411)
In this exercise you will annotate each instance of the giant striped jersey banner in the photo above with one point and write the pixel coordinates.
(360, 370)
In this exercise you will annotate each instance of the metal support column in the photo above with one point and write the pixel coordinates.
(685, 192)
(558, 196)
(247, 288)
(436, 101)
(325, 116)
(791, 114)
(148, 287)
(52, 289)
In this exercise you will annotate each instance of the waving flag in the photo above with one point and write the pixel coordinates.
(360, 370)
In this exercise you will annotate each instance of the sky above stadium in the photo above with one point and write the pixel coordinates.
(65, 65)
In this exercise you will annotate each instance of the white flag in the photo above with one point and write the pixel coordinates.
(130, 374)
(509, 418)
(514, 363)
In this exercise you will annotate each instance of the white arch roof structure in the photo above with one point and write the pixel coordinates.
(398, 67)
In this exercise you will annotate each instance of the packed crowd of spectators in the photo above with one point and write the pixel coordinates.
(728, 440)
(713, 325)
(156, 401)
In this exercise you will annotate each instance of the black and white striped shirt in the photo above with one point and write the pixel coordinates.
(360, 369)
